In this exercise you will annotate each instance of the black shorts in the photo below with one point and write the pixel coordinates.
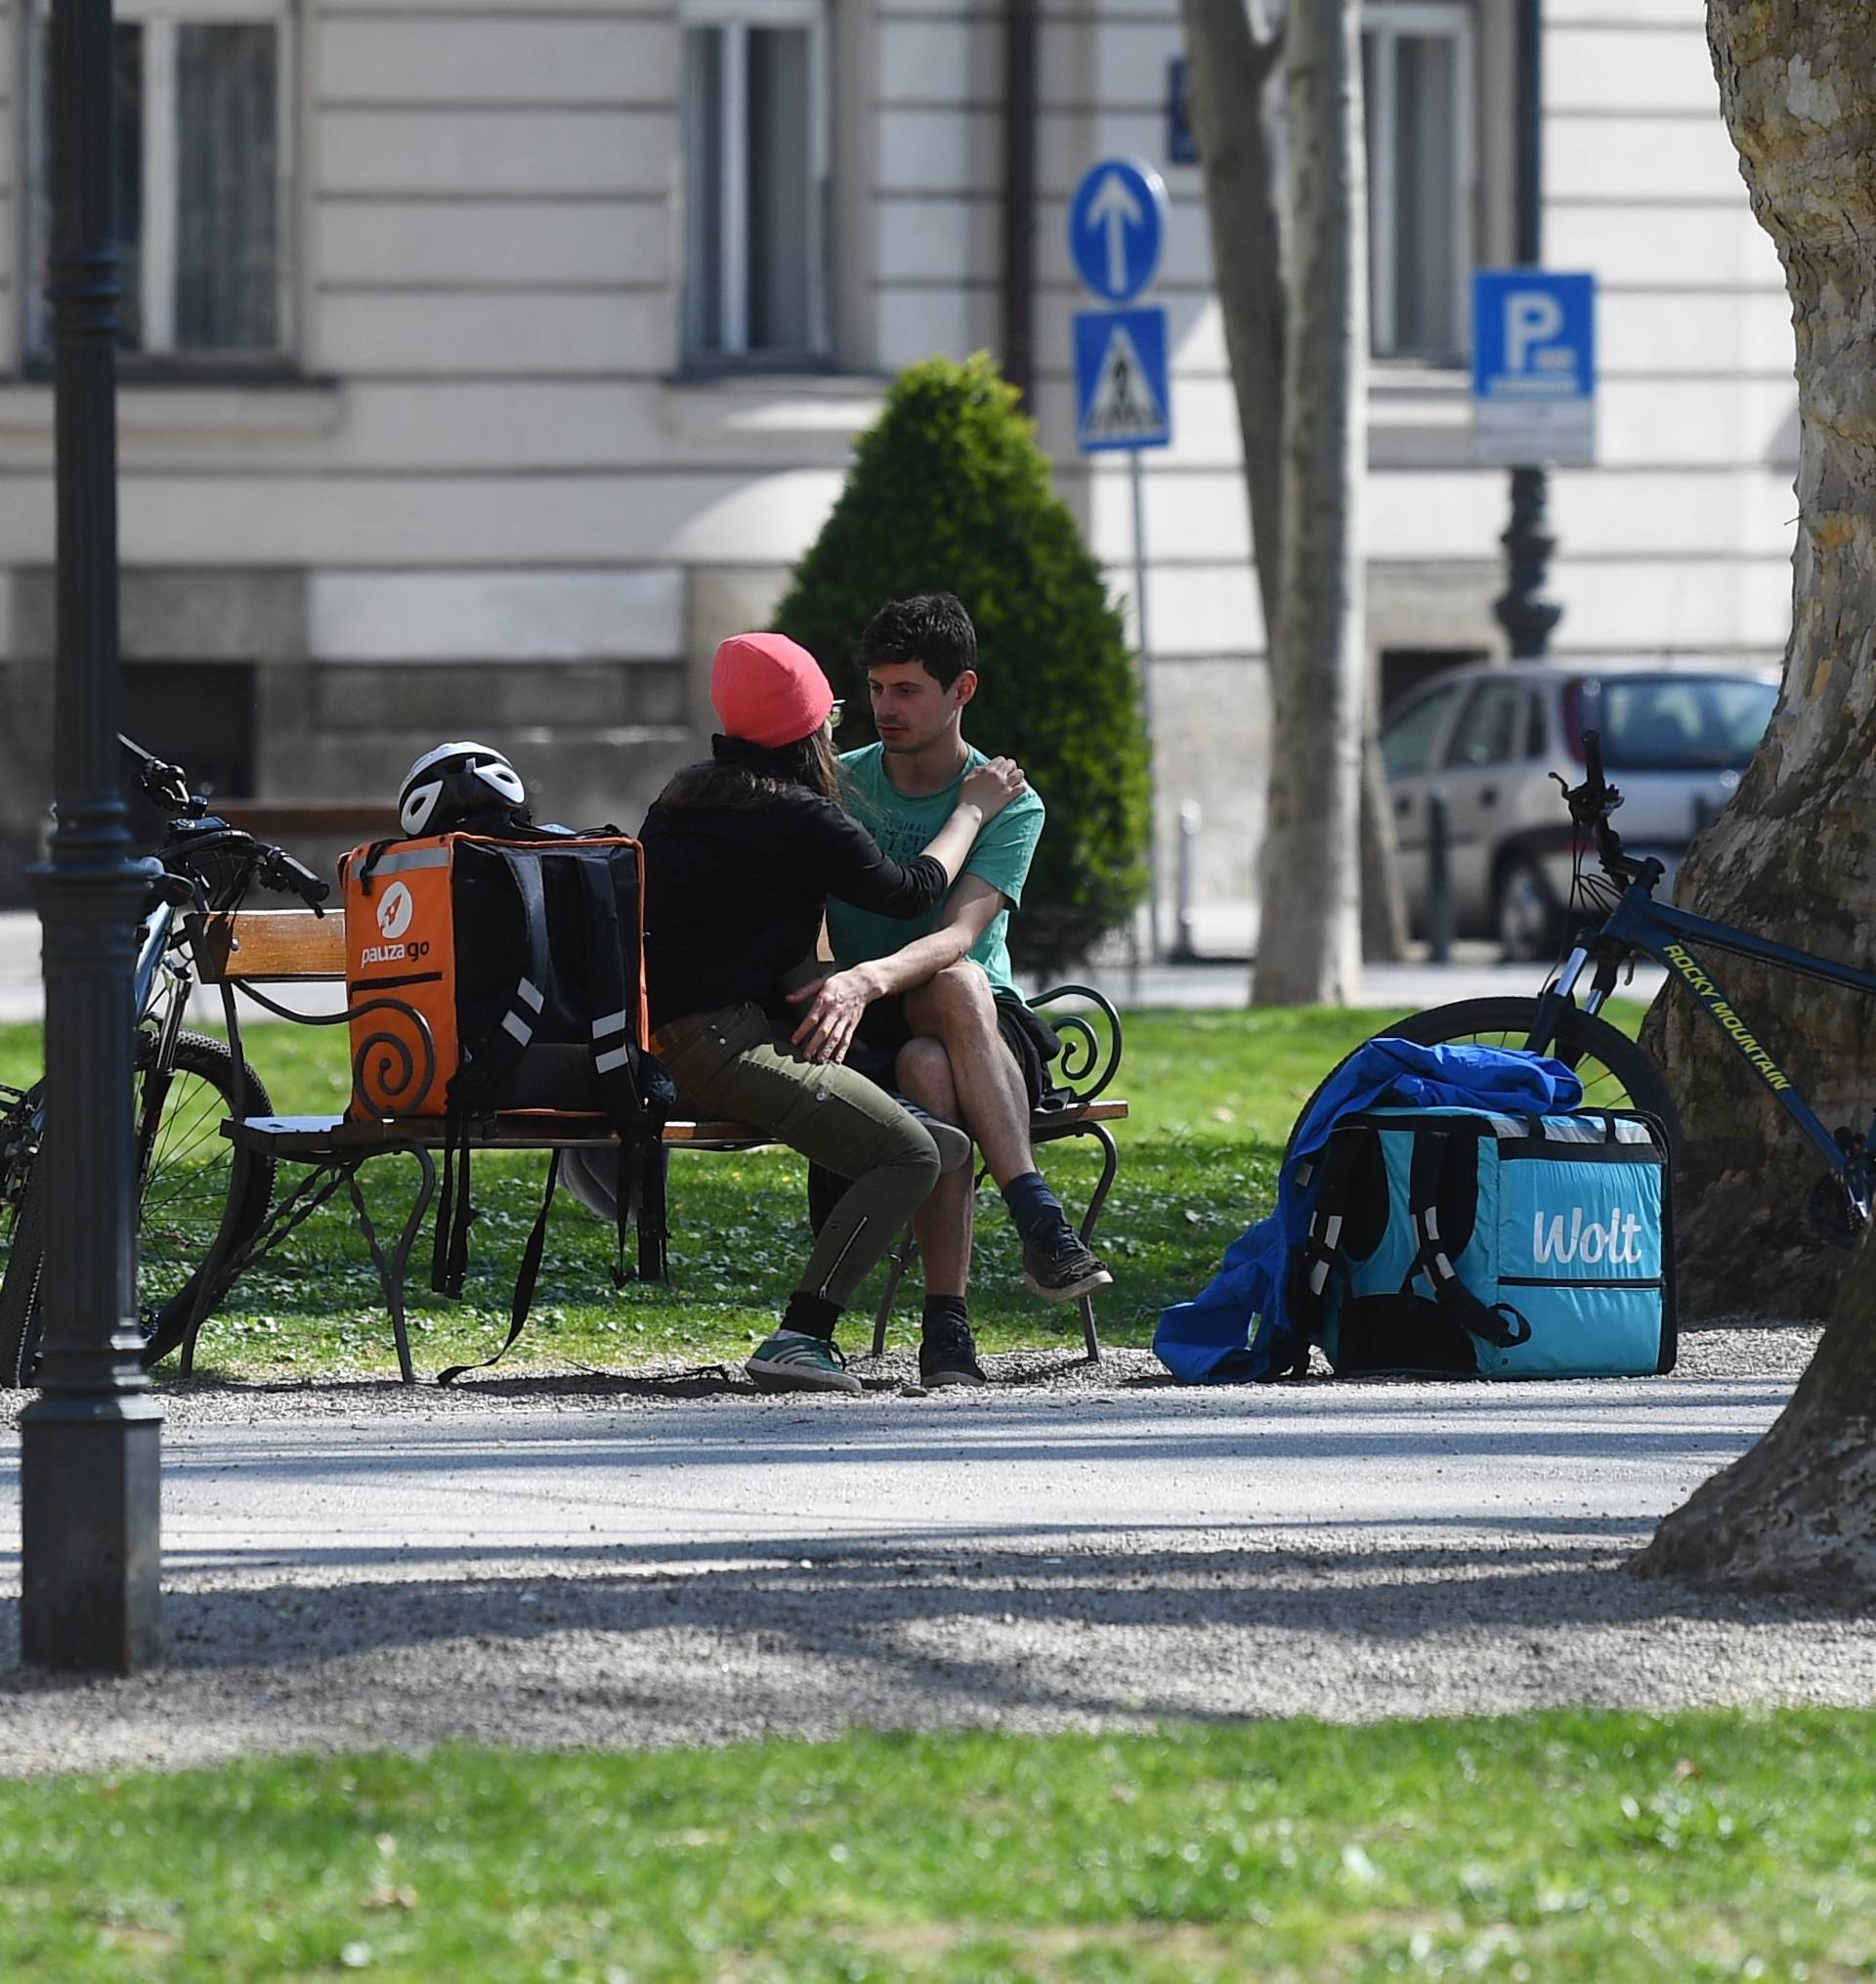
(883, 1030)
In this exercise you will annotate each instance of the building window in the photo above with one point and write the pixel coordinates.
(1416, 78)
(201, 167)
(755, 150)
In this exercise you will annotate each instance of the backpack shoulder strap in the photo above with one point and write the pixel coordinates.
(484, 1062)
(1432, 1197)
(1319, 1258)
(631, 1084)
(526, 1277)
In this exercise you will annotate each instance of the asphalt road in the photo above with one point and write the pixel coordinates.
(625, 1562)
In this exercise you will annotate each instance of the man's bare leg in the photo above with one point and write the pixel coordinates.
(942, 1225)
(958, 1009)
(947, 1349)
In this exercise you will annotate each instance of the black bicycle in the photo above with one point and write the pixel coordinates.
(193, 1187)
(1616, 1073)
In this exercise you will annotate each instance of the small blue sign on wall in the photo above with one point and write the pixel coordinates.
(1123, 396)
(1533, 367)
(1115, 222)
(1181, 142)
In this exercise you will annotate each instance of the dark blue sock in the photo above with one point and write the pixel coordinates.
(1035, 1210)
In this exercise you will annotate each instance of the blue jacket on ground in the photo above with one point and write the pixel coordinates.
(1239, 1330)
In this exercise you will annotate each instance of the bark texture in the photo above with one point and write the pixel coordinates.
(1793, 853)
(1792, 856)
(1798, 1511)
(1309, 940)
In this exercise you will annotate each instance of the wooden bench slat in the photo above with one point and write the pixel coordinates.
(287, 945)
(543, 1130)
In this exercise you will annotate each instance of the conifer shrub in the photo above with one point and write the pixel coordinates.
(949, 493)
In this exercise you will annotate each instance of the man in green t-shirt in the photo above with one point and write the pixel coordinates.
(930, 1006)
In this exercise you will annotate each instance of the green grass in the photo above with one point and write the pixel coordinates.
(1212, 1094)
(1563, 1846)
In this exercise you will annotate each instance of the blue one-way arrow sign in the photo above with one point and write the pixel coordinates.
(1115, 225)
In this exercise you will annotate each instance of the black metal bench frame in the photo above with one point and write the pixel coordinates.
(336, 1148)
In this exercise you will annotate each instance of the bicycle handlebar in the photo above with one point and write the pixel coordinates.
(1592, 762)
(1592, 802)
(279, 872)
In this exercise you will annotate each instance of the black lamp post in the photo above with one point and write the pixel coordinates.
(1525, 611)
(91, 1444)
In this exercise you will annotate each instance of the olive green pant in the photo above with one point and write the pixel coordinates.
(737, 1064)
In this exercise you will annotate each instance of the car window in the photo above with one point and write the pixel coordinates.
(1681, 722)
(1491, 727)
(1407, 739)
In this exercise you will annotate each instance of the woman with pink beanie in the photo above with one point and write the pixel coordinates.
(741, 854)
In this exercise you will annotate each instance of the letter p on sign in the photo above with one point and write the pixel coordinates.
(1532, 317)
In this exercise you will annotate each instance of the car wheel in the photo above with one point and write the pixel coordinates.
(1524, 914)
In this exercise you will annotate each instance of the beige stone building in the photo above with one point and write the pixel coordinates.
(487, 359)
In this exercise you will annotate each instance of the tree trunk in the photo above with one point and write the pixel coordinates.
(1798, 1511)
(1383, 903)
(1791, 855)
(1232, 61)
(1231, 57)
(1309, 940)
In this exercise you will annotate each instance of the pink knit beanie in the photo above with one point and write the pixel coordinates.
(769, 689)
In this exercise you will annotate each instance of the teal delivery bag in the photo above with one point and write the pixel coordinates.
(1466, 1243)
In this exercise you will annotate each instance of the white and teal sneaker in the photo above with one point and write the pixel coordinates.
(791, 1361)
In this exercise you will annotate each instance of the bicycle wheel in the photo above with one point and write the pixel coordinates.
(1614, 1071)
(193, 1188)
(197, 1187)
(20, 1285)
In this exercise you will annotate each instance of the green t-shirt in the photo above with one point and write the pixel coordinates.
(903, 825)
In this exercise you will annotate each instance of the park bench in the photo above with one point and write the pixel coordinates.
(241, 951)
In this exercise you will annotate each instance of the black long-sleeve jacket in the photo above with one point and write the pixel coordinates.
(734, 897)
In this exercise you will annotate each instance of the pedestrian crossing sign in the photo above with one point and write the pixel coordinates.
(1122, 398)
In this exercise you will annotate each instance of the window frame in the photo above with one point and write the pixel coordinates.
(735, 18)
(1388, 23)
(161, 165)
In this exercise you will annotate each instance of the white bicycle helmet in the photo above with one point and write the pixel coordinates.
(453, 781)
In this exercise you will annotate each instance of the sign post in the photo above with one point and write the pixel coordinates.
(1122, 386)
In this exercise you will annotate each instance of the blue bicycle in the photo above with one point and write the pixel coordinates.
(1616, 1073)
(194, 1190)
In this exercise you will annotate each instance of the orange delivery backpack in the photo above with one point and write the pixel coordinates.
(488, 974)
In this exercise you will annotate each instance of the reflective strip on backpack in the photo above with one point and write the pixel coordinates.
(411, 859)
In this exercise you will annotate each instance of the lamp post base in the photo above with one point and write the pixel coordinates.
(90, 1492)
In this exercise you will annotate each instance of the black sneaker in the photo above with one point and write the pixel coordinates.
(1060, 1267)
(947, 1356)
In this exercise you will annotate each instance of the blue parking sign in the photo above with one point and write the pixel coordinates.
(1121, 391)
(1533, 366)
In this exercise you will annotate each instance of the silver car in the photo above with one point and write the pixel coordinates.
(1485, 740)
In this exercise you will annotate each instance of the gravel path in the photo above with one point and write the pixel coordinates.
(587, 1560)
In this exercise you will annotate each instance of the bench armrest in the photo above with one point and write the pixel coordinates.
(1090, 1030)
